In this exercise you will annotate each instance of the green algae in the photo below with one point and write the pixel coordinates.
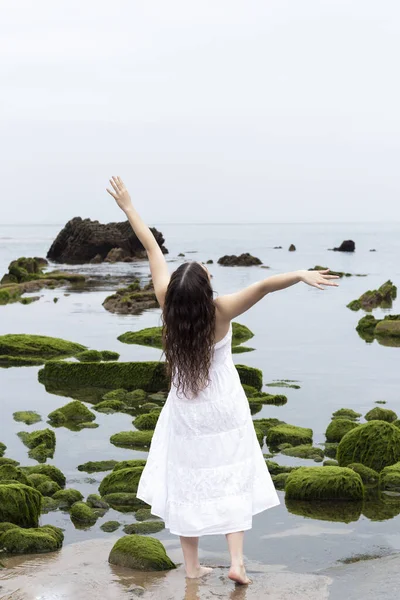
(375, 444)
(53, 472)
(20, 504)
(73, 412)
(98, 466)
(29, 417)
(32, 541)
(141, 554)
(338, 427)
(324, 483)
(110, 526)
(132, 439)
(304, 451)
(66, 498)
(82, 513)
(122, 480)
(145, 527)
(381, 414)
(291, 434)
(146, 421)
(346, 413)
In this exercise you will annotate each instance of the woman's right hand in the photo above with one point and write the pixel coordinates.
(120, 194)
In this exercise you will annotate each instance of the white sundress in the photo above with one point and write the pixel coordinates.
(206, 473)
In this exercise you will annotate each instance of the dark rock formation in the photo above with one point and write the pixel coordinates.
(292, 248)
(244, 260)
(132, 300)
(84, 240)
(346, 246)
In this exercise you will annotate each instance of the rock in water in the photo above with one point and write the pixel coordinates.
(244, 260)
(140, 553)
(346, 246)
(84, 240)
(292, 248)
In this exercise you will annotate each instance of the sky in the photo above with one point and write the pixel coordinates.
(212, 111)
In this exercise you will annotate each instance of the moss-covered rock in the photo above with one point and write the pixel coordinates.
(32, 541)
(150, 407)
(122, 480)
(8, 461)
(280, 480)
(266, 424)
(122, 500)
(20, 504)
(48, 505)
(273, 399)
(11, 473)
(127, 464)
(3, 448)
(98, 466)
(389, 478)
(39, 346)
(330, 449)
(89, 356)
(131, 299)
(132, 439)
(141, 554)
(29, 417)
(386, 330)
(48, 488)
(330, 462)
(291, 434)
(146, 421)
(250, 376)
(346, 413)
(108, 355)
(304, 451)
(66, 498)
(255, 406)
(83, 513)
(375, 444)
(250, 391)
(338, 427)
(145, 527)
(369, 476)
(94, 501)
(371, 299)
(110, 526)
(260, 435)
(147, 375)
(73, 412)
(324, 483)
(325, 510)
(111, 406)
(50, 470)
(381, 414)
(389, 327)
(144, 514)
(276, 469)
(42, 443)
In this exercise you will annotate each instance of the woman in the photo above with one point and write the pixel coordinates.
(205, 473)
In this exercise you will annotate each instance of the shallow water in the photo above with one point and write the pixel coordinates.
(300, 333)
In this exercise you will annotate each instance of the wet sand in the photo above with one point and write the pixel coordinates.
(81, 572)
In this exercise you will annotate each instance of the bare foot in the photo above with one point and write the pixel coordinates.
(199, 572)
(238, 575)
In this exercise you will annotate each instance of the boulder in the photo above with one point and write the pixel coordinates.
(132, 299)
(42, 443)
(324, 483)
(98, 466)
(82, 513)
(20, 504)
(369, 476)
(110, 526)
(12, 473)
(346, 413)
(292, 248)
(73, 412)
(244, 260)
(50, 470)
(146, 421)
(375, 444)
(304, 451)
(381, 414)
(371, 299)
(145, 527)
(82, 240)
(141, 554)
(29, 417)
(289, 433)
(121, 481)
(338, 427)
(346, 246)
(389, 478)
(16, 540)
(66, 498)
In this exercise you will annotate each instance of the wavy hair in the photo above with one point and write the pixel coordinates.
(189, 328)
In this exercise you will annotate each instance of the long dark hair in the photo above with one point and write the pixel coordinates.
(189, 328)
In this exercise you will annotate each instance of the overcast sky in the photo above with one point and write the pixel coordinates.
(211, 110)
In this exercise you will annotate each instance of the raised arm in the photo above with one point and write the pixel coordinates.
(233, 305)
(158, 265)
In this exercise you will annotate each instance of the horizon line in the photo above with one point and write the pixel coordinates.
(225, 223)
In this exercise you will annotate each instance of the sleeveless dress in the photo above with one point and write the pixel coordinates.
(206, 473)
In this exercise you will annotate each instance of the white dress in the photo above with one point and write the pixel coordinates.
(206, 473)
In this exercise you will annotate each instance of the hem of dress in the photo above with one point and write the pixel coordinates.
(222, 531)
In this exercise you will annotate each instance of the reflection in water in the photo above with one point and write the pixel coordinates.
(344, 512)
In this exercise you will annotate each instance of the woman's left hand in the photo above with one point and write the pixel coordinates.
(120, 193)
(318, 278)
